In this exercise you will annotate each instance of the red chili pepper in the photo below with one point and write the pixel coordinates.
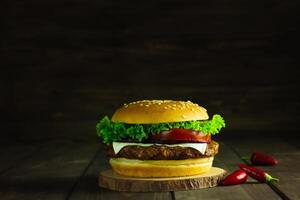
(257, 174)
(237, 177)
(258, 158)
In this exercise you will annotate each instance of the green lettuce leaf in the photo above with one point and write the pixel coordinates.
(110, 131)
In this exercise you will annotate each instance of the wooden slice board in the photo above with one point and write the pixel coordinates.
(111, 180)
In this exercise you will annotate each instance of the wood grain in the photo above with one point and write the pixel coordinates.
(88, 188)
(13, 154)
(287, 170)
(48, 174)
(56, 117)
(111, 180)
(89, 57)
(228, 160)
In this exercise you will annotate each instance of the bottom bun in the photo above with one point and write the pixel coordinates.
(161, 168)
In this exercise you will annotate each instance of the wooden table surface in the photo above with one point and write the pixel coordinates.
(65, 169)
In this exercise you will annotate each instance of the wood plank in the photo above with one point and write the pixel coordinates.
(88, 187)
(228, 160)
(12, 154)
(49, 174)
(287, 170)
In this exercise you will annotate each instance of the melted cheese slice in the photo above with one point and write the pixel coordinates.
(201, 147)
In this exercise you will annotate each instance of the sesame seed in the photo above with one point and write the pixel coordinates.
(141, 104)
(147, 105)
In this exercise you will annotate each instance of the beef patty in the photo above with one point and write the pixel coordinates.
(163, 152)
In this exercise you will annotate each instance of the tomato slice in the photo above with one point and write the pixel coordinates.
(181, 135)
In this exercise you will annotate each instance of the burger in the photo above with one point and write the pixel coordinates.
(160, 138)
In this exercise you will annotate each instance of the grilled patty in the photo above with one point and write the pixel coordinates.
(163, 152)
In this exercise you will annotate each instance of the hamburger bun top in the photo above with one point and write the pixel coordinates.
(159, 111)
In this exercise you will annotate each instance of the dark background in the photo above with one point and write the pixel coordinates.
(65, 64)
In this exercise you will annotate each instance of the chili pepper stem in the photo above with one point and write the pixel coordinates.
(269, 178)
(245, 157)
